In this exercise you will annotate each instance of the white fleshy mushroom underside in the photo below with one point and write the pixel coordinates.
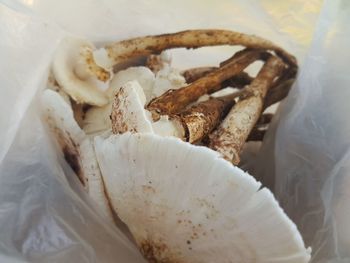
(76, 147)
(184, 203)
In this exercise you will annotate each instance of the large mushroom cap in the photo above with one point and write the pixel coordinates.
(184, 203)
(76, 73)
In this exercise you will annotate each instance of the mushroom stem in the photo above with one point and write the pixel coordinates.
(229, 138)
(239, 81)
(278, 93)
(193, 74)
(173, 101)
(260, 128)
(199, 120)
(144, 46)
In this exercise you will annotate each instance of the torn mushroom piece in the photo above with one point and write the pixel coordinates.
(97, 119)
(76, 147)
(232, 133)
(182, 203)
(129, 114)
(77, 74)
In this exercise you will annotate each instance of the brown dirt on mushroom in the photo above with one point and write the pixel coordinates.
(199, 120)
(158, 252)
(173, 101)
(232, 133)
(71, 154)
(144, 46)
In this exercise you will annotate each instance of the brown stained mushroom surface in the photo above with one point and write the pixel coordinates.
(173, 101)
(224, 123)
(199, 120)
(158, 252)
(238, 81)
(144, 46)
(229, 138)
(71, 154)
(92, 67)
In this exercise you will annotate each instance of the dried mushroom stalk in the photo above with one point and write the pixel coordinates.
(232, 133)
(260, 128)
(144, 46)
(281, 87)
(199, 120)
(193, 74)
(239, 81)
(278, 93)
(173, 101)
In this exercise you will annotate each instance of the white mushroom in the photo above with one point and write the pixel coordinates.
(192, 124)
(183, 203)
(97, 119)
(128, 112)
(77, 74)
(76, 147)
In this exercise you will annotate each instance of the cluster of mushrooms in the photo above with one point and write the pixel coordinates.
(158, 148)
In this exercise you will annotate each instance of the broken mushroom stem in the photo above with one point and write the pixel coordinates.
(229, 137)
(199, 120)
(173, 101)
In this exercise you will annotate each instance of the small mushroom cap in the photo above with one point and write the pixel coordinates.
(183, 203)
(76, 147)
(71, 68)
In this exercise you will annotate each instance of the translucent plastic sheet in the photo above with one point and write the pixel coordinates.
(44, 214)
(311, 143)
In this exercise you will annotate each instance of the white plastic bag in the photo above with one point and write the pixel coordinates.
(311, 145)
(44, 214)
